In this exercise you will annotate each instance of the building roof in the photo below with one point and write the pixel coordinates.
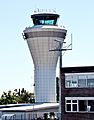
(79, 69)
(32, 107)
(44, 14)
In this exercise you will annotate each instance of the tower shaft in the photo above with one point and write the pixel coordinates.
(40, 39)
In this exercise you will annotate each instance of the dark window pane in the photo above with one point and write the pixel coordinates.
(91, 103)
(68, 101)
(82, 105)
(68, 107)
(74, 106)
(74, 101)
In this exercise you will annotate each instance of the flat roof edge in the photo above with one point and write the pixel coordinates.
(77, 69)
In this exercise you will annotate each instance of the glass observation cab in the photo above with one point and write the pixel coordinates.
(45, 19)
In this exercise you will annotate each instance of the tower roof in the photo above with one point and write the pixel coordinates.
(45, 15)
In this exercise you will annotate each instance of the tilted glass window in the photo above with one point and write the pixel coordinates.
(45, 20)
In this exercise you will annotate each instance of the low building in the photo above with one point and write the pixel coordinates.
(77, 93)
(30, 111)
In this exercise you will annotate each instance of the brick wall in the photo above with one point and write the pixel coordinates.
(74, 92)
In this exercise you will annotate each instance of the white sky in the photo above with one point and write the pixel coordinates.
(16, 66)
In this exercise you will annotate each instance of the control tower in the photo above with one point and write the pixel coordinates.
(41, 38)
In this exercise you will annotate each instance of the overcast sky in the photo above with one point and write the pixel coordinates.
(16, 66)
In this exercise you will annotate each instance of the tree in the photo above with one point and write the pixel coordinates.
(17, 96)
(7, 98)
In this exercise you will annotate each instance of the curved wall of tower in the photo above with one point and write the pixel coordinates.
(40, 40)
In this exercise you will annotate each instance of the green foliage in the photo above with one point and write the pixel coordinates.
(17, 96)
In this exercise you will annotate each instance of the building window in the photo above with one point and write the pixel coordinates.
(68, 83)
(74, 83)
(91, 104)
(79, 81)
(79, 105)
(71, 83)
(90, 82)
(74, 107)
(82, 105)
(71, 105)
(68, 107)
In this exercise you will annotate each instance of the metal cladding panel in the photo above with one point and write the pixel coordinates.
(45, 62)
